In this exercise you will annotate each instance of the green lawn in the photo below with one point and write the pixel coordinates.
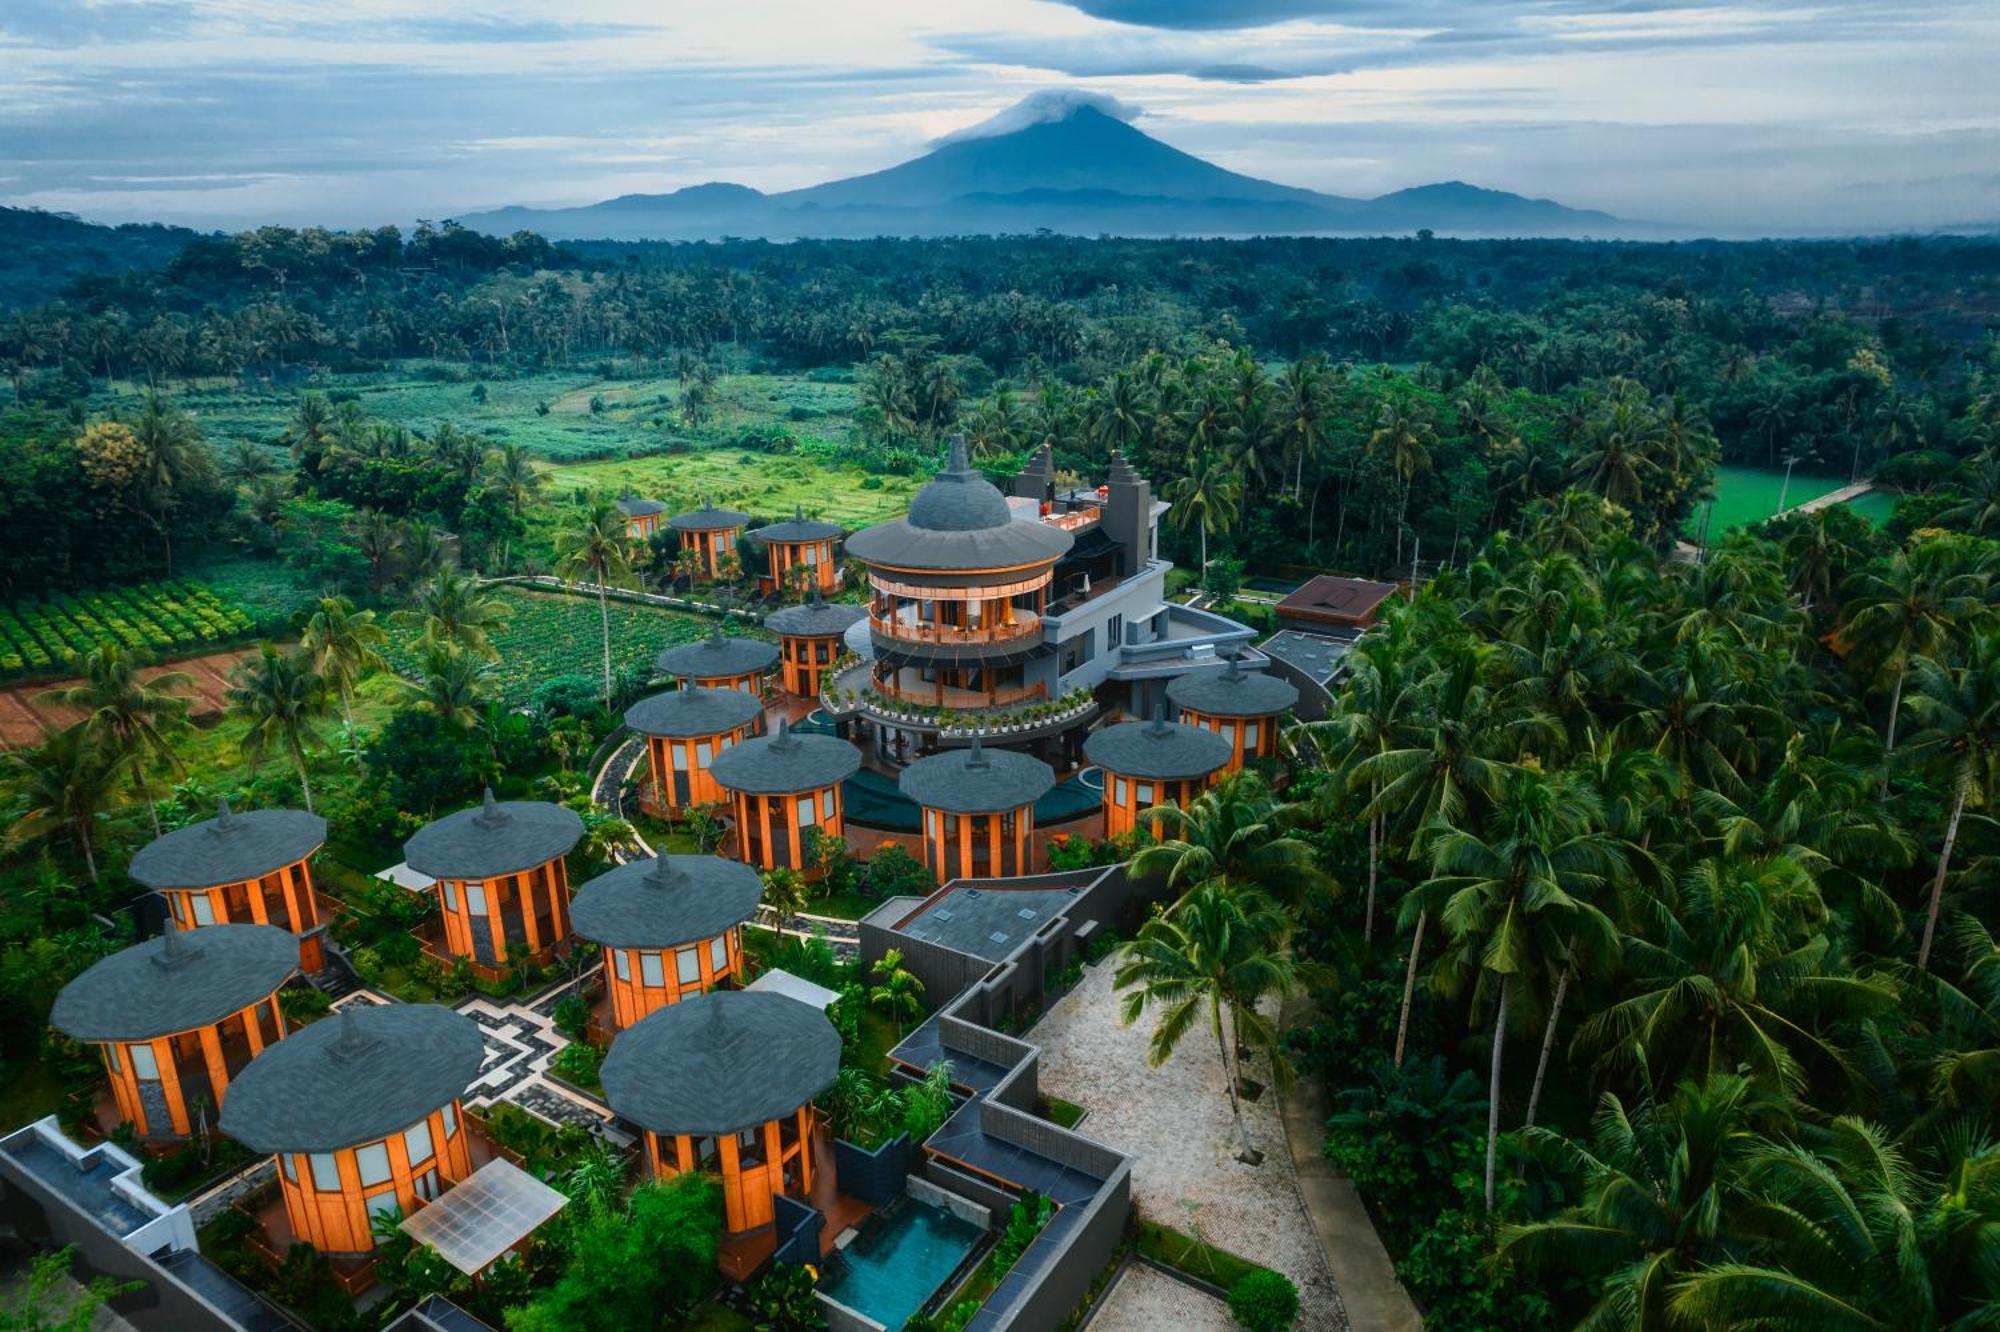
(1746, 495)
(1164, 1244)
(763, 485)
(1877, 506)
(1065, 1113)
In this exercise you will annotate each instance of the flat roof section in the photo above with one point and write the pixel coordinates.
(1315, 654)
(984, 921)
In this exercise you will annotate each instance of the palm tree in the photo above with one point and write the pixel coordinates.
(515, 477)
(592, 541)
(380, 540)
(786, 893)
(130, 716)
(280, 695)
(455, 611)
(1234, 830)
(1207, 499)
(1215, 953)
(1518, 900)
(1302, 413)
(1403, 438)
(1851, 1238)
(1979, 511)
(896, 991)
(65, 782)
(1959, 708)
(173, 455)
(1909, 611)
(451, 684)
(346, 644)
(1659, 1186)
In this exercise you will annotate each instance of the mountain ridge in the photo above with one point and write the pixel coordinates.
(1083, 172)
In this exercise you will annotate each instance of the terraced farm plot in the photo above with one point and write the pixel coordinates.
(557, 633)
(760, 484)
(41, 636)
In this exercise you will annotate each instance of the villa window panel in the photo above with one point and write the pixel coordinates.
(381, 1204)
(450, 896)
(651, 971)
(687, 966)
(427, 1185)
(718, 954)
(325, 1172)
(622, 963)
(289, 1165)
(450, 1121)
(417, 1142)
(204, 909)
(373, 1163)
(145, 1064)
(826, 799)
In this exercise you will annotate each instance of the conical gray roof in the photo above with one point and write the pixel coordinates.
(785, 762)
(496, 837)
(229, 848)
(367, 1072)
(797, 528)
(666, 901)
(816, 618)
(1233, 692)
(1158, 749)
(708, 518)
(959, 521)
(977, 780)
(716, 656)
(683, 713)
(721, 1061)
(180, 981)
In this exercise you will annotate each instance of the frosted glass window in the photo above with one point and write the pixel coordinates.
(427, 1185)
(680, 754)
(650, 970)
(450, 1121)
(718, 954)
(373, 1162)
(326, 1172)
(417, 1141)
(1145, 793)
(826, 804)
(144, 1066)
(806, 815)
(1250, 733)
(450, 896)
(381, 1204)
(1118, 791)
(623, 961)
(687, 964)
(475, 898)
(291, 1170)
(704, 753)
(204, 910)
(111, 1057)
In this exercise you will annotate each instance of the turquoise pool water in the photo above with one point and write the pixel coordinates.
(890, 1274)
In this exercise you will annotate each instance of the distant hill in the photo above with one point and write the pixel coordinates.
(1081, 171)
(41, 254)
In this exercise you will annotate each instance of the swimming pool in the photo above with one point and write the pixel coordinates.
(889, 1274)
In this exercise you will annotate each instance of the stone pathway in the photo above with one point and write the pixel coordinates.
(1175, 1120)
(1148, 1300)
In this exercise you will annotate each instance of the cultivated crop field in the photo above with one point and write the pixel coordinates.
(556, 633)
(37, 637)
(760, 484)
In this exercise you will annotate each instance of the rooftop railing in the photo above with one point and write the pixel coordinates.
(906, 627)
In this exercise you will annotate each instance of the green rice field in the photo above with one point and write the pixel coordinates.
(1749, 495)
(762, 485)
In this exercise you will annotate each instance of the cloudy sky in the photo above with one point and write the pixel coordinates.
(1781, 115)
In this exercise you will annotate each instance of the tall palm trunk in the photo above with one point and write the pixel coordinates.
(1409, 986)
(89, 852)
(305, 782)
(604, 618)
(1548, 1041)
(1493, 1089)
(1943, 868)
(1374, 855)
(1229, 1074)
(1889, 736)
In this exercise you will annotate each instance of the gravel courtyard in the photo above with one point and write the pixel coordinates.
(1147, 1300)
(1176, 1119)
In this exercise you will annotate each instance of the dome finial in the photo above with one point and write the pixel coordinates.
(960, 460)
(1159, 726)
(490, 814)
(224, 819)
(175, 951)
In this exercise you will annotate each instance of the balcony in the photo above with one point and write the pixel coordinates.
(904, 626)
(1076, 520)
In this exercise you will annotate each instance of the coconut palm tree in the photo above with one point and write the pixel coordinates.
(1913, 609)
(1235, 830)
(1660, 1186)
(1959, 709)
(454, 611)
(346, 644)
(64, 783)
(591, 541)
(1207, 499)
(786, 893)
(453, 685)
(896, 992)
(515, 478)
(1212, 955)
(1851, 1237)
(1403, 438)
(129, 715)
(1521, 898)
(280, 695)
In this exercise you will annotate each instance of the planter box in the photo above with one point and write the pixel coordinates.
(875, 1177)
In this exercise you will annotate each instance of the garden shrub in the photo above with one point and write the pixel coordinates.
(894, 872)
(577, 1063)
(1030, 1213)
(570, 696)
(1264, 1301)
(572, 1016)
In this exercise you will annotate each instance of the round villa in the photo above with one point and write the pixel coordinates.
(1152, 763)
(671, 928)
(643, 517)
(178, 1018)
(782, 787)
(1243, 706)
(801, 543)
(725, 1082)
(978, 810)
(710, 533)
(501, 880)
(685, 729)
(362, 1111)
(958, 588)
(243, 869)
(809, 637)
(721, 662)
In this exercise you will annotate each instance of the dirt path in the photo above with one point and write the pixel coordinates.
(23, 721)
